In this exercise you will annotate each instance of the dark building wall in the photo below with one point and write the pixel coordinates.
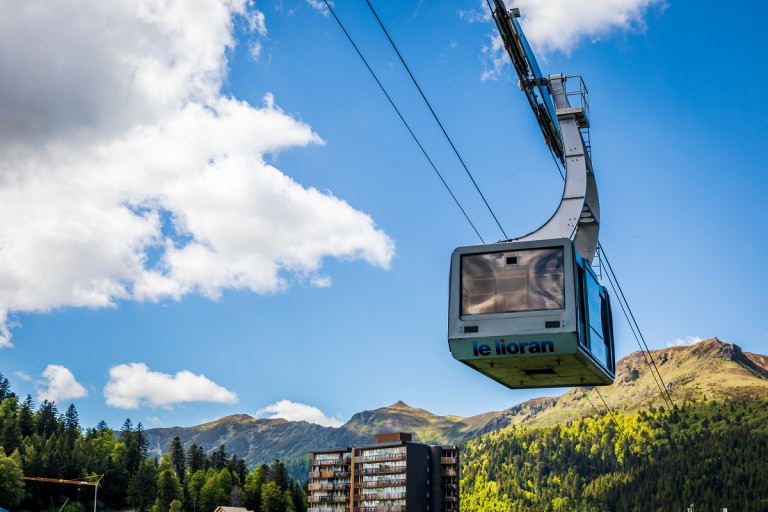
(416, 475)
(435, 480)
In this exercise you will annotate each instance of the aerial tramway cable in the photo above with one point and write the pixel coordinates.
(413, 79)
(391, 102)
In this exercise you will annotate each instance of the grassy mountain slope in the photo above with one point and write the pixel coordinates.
(425, 426)
(710, 369)
(254, 440)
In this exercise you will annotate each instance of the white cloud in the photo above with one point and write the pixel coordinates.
(61, 385)
(257, 22)
(319, 5)
(482, 14)
(495, 56)
(23, 376)
(293, 411)
(559, 25)
(125, 173)
(154, 420)
(322, 281)
(132, 385)
(255, 50)
(687, 340)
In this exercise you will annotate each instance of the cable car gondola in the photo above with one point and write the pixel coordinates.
(530, 312)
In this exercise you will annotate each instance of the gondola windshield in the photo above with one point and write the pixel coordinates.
(507, 282)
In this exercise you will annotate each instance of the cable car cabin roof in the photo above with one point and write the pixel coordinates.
(530, 315)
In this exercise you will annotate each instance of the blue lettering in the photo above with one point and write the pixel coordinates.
(501, 347)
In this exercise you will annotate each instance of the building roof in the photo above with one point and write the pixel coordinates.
(232, 509)
(390, 437)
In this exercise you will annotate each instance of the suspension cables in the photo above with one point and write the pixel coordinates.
(436, 118)
(647, 356)
(391, 102)
(610, 412)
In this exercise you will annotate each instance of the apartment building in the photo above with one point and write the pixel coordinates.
(393, 475)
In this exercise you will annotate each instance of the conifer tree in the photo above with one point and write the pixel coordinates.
(178, 460)
(47, 419)
(72, 420)
(26, 417)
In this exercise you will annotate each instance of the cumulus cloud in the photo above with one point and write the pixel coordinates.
(132, 385)
(687, 340)
(293, 411)
(126, 174)
(559, 25)
(59, 385)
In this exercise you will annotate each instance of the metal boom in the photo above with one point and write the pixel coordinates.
(578, 215)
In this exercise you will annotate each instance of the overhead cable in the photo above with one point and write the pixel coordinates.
(391, 102)
(436, 118)
(654, 369)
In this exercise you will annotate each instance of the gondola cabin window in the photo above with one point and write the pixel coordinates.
(508, 282)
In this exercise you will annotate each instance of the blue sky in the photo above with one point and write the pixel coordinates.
(214, 210)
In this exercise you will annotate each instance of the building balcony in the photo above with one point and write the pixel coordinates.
(381, 457)
(447, 460)
(448, 472)
(384, 482)
(450, 486)
(380, 496)
(383, 508)
(331, 462)
(328, 487)
(328, 499)
(449, 499)
(329, 473)
(335, 508)
(383, 470)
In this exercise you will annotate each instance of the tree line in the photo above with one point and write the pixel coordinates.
(41, 442)
(710, 454)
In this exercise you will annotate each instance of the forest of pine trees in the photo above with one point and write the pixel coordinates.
(713, 455)
(44, 443)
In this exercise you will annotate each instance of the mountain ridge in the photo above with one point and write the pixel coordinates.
(710, 369)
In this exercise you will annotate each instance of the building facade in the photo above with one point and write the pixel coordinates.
(393, 475)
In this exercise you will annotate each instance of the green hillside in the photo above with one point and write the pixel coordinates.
(712, 454)
(559, 454)
(710, 369)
